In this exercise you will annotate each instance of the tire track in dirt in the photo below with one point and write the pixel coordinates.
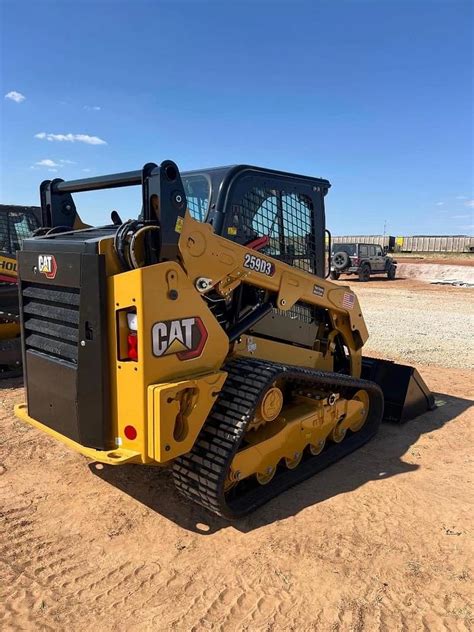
(39, 572)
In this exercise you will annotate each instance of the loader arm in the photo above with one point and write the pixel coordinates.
(212, 261)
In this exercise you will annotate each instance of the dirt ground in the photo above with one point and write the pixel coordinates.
(380, 541)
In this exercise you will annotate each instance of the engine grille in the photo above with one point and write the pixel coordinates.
(51, 320)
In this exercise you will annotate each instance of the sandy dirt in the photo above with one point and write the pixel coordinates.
(380, 541)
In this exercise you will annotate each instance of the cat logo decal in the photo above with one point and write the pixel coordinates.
(47, 265)
(184, 337)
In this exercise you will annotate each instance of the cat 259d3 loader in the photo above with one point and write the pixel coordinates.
(202, 335)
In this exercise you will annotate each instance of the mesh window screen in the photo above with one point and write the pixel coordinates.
(286, 218)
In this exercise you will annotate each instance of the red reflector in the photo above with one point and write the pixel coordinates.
(132, 351)
(130, 432)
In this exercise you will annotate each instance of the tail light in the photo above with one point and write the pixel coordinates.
(132, 337)
(355, 260)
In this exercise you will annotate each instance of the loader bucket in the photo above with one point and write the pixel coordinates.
(405, 392)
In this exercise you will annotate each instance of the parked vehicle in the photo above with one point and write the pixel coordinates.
(361, 259)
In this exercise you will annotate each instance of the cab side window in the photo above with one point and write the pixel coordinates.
(14, 227)
(378, 251)
(363, 252)
(22, 225)
(4, 233)
(198, 190)
(371, 251)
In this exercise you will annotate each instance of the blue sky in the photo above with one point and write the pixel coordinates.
(375, 96)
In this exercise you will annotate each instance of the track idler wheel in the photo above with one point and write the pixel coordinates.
(363, 397)
(269, 408)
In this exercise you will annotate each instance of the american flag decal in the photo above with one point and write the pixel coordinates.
(348, 300)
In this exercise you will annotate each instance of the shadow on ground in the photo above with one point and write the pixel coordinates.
(9, 381)
(377, 460)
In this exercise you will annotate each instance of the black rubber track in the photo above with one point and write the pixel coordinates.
(201, 473)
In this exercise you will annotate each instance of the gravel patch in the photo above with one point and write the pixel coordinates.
(419, 325)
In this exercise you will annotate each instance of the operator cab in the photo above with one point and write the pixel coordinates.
(246, 204)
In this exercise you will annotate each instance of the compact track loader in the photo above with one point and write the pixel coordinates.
(16, 223)
(202, 335)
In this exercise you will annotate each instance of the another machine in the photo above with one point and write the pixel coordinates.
(202, 335)
(16, 223)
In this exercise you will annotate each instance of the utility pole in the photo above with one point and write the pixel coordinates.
(384, 227)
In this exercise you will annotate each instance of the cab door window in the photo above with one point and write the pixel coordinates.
(284, 209)
(286, 218)
(297, 211)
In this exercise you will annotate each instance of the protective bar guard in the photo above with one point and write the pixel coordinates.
(163, 198)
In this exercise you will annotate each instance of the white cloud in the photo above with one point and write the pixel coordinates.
(15, 96)
(53, 170)
(46, 162)
(92, 108)
(71, 138)
(470, 203)
(86, 170)
(460, 216)
(439, 203)
(52, 164)
(461, 197)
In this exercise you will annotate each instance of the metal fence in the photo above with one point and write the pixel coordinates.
(438, 243)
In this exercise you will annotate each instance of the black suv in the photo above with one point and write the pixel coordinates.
(361, 259)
